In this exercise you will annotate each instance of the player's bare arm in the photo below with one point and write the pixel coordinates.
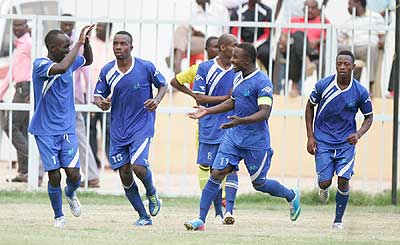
(225, 106)
(152, 104)
(207, 99)
(353, 138)
(103, 104)
(261, 115)
(309, 116)
(68, 60)
(182, 88)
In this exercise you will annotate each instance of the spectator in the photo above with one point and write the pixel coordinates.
(297, 42)
(93, 172)
(262, 42)
(20, 74)
(204, 10)
(103, 55)
(363, 38)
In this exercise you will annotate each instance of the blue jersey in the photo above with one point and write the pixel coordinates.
(54, 98)
(130, 121)
(212, 80)
(246, 92)
(337, 109)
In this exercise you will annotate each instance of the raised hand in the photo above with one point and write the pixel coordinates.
(85, 33)
(201, 112)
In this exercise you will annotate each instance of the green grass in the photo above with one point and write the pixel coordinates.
(26, 218)
(357, 198)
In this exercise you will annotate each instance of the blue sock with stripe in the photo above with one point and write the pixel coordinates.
(209, 193)
(274, 188)
(148, 183)
(72, 187)
(55, 195)
(342, 197)
(132, 193)
(231, 187)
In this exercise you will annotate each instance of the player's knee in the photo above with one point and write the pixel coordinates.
(54, 177)
(73, 174)
(258, 183)
(325, 184)
(218, 174)
(343, 184)
(125, 174)
(140, 171)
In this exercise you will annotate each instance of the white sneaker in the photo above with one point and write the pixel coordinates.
(229, 219)
(337, 226)
(218, 220)
(59, 222)
(324, 195)
(74, 205)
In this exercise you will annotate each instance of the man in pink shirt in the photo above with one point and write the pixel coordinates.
(296, 44)
(20, 75)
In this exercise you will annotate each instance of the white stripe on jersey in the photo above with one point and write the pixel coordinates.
(329, 99)
(114, 82)
(330, 86)
(75, 160)
(139, 150)
(256, 174)
(48, 84)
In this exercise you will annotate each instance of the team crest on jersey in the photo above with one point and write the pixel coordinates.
(246, 93)
(136, 86)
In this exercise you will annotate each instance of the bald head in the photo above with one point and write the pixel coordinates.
(226, 40)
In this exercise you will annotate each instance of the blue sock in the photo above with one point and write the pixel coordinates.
(209, 193)
(342, 197)
(132, 193)
(55, 195)
(218, 203)
(148, 183)
(274, 188)
(71, 187)
(231, 188)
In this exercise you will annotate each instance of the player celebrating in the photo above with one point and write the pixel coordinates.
(125, 85)
(335, 135)
(247, 135)
(213, 85)
(53, 123)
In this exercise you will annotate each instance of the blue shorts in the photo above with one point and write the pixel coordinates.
(257, 162)
(328, 161)
(58, 151)
(206, 154)
(136, 152)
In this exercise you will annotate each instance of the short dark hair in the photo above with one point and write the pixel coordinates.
(127, 34)
(346, 52)
(363, 3)
(51, 35)
(209, 40)
(250, 51)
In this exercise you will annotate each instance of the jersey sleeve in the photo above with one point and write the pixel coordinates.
(156, 77)
(102, 88)
(188, 75)
(315, 96)
(365, 103)
(79, 62)
(264, 89)
(199, 86)
(41, 67)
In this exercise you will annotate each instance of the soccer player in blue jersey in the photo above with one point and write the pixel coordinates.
(125, 85)
(333, 138)
(212, 85)
(53, 122)
(247, 135)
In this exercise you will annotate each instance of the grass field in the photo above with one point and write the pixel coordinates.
(26, 218)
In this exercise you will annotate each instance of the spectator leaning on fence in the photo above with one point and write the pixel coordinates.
(363, 38)
(20, 74)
